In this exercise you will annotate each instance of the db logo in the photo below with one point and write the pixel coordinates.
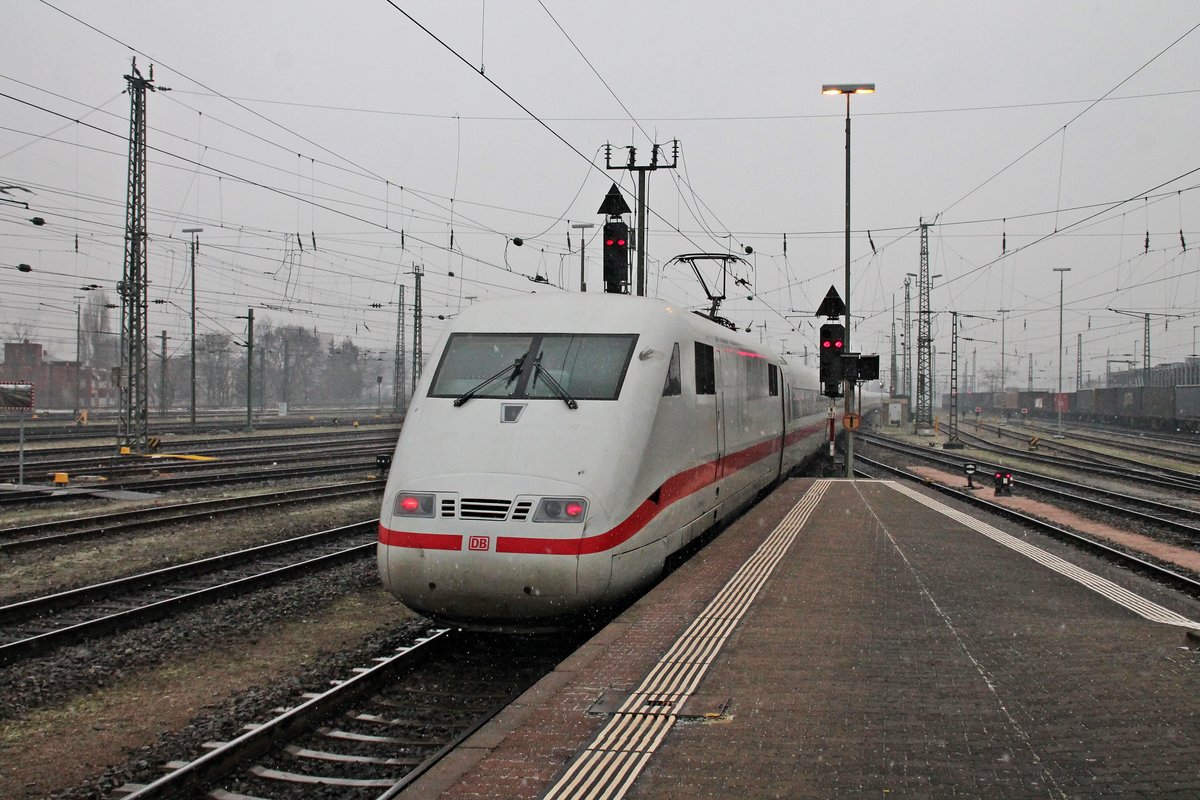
(478, 543)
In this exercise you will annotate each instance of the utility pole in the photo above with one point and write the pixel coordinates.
(923, 414)
(642, 203)
(262, 381)
(417, 345)
(287, 365)
(195, 245)
(1145, 315)
(134, 377)
(162, 375)
(1078, 361)
(79, 358)
(1003, 312)
(398, 388)
(249, 369)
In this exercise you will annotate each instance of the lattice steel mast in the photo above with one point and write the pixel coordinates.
(398, 377)
(907, 390)
(923, 413)
(134, 379)
(416, 355)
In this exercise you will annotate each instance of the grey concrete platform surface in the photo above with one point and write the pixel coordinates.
(851, 639)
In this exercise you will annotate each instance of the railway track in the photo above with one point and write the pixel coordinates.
(220, 455)
(1186, 479)
(39, 624)
(1177, 519)
(373, 733)
(1087, 461)
(63, 430)
(327, 466)
(1180, 449)
(1163, 574)
(71, 531)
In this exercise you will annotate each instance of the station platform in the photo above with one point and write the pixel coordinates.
(862, 639)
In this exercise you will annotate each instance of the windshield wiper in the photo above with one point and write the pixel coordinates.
(554, 384)
(514, 368)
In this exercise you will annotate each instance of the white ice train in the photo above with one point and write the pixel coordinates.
(559, 448)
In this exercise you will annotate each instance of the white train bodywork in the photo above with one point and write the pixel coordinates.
(613, 431)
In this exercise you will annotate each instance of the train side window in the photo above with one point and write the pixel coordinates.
(772, 380)
(706, 374)
(674, 385)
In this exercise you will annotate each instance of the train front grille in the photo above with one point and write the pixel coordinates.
(480, 508)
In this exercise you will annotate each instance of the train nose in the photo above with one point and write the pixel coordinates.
(486, 554)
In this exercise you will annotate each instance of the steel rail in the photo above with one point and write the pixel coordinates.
(39, 607)
(1047, 486)
(28, 537)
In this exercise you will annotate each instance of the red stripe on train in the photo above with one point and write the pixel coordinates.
(675, 489)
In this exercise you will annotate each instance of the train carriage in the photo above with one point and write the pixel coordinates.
(564, 446)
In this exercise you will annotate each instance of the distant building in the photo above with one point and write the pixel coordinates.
(55, 382)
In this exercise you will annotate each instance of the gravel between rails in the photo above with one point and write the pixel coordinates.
(81, 720)
(93, 717)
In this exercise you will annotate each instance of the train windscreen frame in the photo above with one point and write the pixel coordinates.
(588, 366)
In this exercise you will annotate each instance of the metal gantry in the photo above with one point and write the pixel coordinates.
(134, 375)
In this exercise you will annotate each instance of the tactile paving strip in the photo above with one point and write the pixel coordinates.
(611, 763)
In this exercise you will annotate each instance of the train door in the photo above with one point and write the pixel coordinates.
(720, 411)
(784, 389)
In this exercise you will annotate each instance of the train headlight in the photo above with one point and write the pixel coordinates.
(412, 504)
(561, 509)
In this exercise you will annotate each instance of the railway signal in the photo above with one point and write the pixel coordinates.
(616, 256)
(833, 341)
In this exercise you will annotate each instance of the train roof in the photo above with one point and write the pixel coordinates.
(593, 313)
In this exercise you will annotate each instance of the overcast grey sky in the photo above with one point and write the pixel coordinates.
(348, 124)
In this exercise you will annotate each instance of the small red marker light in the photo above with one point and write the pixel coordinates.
(410, 504)
(574, 509)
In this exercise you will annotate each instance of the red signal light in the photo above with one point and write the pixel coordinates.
(608, 243)
(620, 242)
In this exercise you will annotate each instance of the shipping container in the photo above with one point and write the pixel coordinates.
(1187, 405)
(1158, 406)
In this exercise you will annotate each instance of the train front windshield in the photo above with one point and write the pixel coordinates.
(589, 366)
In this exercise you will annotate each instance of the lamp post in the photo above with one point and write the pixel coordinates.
(195, 245)
(848, 89)
(1058, 398)
(581, 227)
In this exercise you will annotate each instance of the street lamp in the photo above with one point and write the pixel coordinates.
(848, 89)
(195, 245)
(581, 227)
(1058, 399)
